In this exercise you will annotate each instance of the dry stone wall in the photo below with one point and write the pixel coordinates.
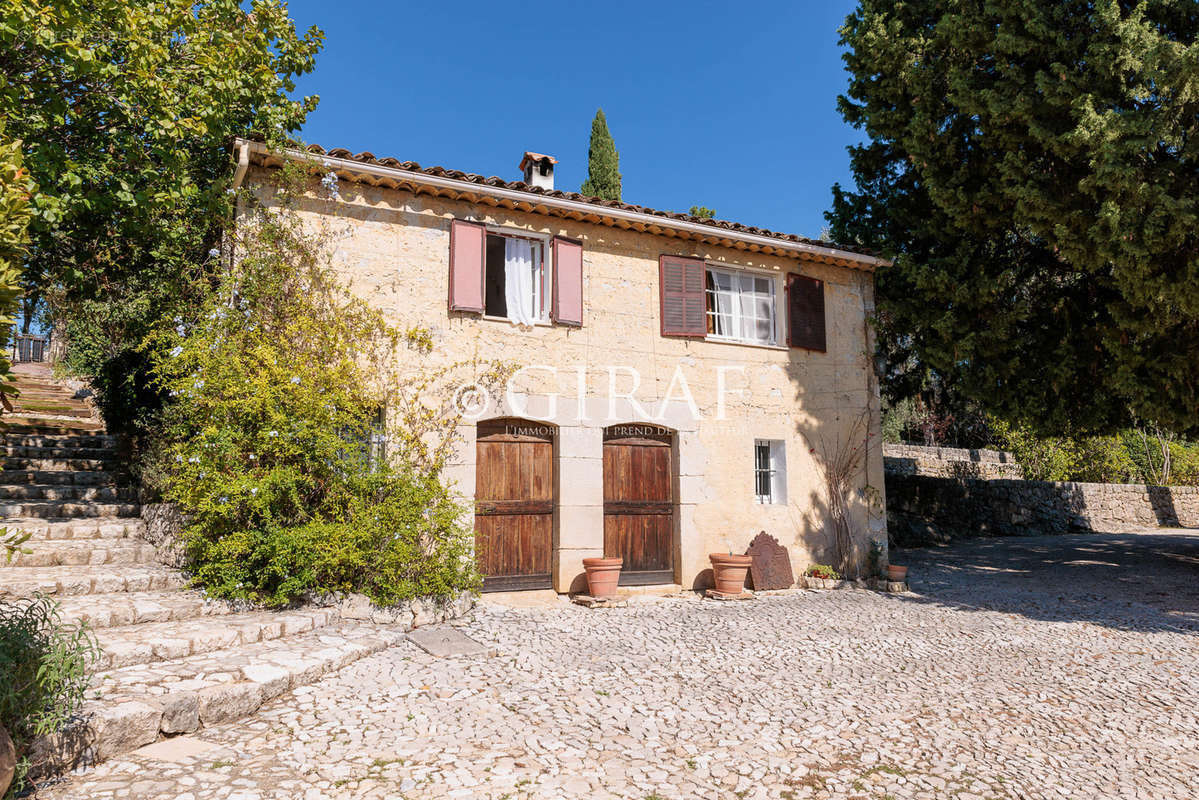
(949, 462)
(923, 509)
(163, 528)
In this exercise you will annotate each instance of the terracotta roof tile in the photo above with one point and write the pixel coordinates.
(412, 166)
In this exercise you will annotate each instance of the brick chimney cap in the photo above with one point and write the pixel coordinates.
(535, 157)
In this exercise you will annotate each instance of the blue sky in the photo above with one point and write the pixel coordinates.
(731, 105)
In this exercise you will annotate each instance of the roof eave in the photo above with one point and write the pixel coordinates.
(336, 163)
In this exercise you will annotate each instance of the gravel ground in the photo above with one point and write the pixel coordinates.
(1047, 667)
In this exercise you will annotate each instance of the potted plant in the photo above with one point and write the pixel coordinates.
(603, 575)
(897, 573)
(821, 576)
(729, 570)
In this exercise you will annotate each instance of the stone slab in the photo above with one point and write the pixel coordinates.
(177, 748)
(712, 594)
(444, 642)
(587, 601)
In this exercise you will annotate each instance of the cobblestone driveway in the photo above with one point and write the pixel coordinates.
(1064, 667)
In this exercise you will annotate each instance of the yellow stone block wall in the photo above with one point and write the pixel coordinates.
(393, 247)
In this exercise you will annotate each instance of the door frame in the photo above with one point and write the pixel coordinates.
(634, 430)
(507, 583)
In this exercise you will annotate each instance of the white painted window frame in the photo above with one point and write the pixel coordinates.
(775, 467)
(776, 307)
(543, 300)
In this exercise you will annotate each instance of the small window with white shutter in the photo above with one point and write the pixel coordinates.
(770, 471)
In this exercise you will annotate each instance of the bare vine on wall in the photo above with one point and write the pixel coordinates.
(428, 407)
(840, 461)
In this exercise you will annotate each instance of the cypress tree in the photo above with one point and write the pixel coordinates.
(603, 162)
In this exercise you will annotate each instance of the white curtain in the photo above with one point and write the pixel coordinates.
(518, 280)
(728, 310)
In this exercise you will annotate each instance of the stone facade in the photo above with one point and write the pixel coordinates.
(923, 508)
(949, 462)
(393, 246)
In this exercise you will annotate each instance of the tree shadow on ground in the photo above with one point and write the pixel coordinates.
(1145, 581)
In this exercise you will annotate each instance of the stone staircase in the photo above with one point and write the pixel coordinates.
(171, 659)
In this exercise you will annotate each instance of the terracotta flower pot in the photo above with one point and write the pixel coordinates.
(729, 571)
(603, 575)
(896, 573)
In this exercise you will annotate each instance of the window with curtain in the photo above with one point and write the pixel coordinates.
(515, 279)
(741, 307)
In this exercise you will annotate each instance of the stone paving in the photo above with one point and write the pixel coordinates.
(1063, 667)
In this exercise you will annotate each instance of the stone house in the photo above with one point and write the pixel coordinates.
(679, 378)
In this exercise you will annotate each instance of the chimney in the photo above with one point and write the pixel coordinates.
(538, 170)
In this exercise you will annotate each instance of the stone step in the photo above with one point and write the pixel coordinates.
(63, 477)
(57, 440)
(82, 580)
(37, 491)
(154, 642)
(42, 392)
(62, 509)
(33, 424)
(134, 706)
(98, 528)
(119, 609)
(17, 451)
(73, 553)
(51, 408)
(57, 464)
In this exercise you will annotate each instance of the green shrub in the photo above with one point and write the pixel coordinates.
(1098, 459)
(44, 667)
(391, 535)
(269, 443)
(822, 571)
(1184, 468)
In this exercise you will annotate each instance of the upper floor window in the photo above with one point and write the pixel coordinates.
(515, 279)
(699, 300)
(741, 307)
(526, 278)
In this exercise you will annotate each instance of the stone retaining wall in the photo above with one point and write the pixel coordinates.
(949, 462)
(923, 509)
(164, 529)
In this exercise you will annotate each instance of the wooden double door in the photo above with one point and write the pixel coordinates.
(639, 502)
(514, 504)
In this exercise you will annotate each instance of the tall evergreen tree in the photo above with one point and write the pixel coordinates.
(1033, 168)
(603, 162)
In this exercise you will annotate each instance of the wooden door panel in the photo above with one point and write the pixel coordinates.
(639, 507)
(513, 509)
(513, 544)
(633, 473)
(644, 541)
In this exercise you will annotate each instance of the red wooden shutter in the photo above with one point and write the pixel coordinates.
(568, 282)
(684, 305)
(467, 241)
(805, 313)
